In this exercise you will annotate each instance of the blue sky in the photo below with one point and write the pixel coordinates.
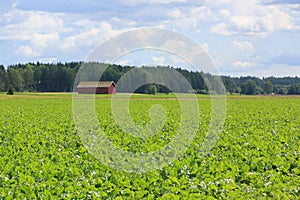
(253, 37)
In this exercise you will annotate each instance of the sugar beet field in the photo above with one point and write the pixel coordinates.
(256, 156)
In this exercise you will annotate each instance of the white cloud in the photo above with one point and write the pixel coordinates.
(48, 60)
(243, 64)
(200, 13)
(239, 55)
(136, 2)
(224, 13)
(252, 18)
(176, 46)
(21, 25)
(91, 36)
(249, 7)
(244, 47)
(204, 46)
(221, 29)
(182, 24)
(246, 23)
(218, 2)
(188, 18)
(14, 5)
(175, 13)
(36, 31)
(178, 61)
(44, 40)
(26, 51)
(125, 62)
(44, 33)
(280, 20)
(270, 20)
(159, 60)
(68, 43)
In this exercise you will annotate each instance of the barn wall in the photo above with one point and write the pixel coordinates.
(86, 90)
(100, 90)
(111, 89)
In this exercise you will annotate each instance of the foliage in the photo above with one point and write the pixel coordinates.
(282, 90)
(3, 79)
(10, 90)
(230, 84)
(256, 157)
(60, 77)
(268, 87)
(15, 79)
(249, 88)
(294, 89)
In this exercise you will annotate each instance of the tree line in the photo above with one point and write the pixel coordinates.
(60, 77)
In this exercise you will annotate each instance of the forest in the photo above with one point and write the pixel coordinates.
(60, 77)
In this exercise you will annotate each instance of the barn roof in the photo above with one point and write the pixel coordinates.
(102, 84)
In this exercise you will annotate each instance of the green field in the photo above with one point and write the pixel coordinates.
(256, 157)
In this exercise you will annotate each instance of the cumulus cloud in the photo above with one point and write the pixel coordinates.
(175, 45)
(159, 60)
(90, 37)
(204, 46)
(125, 62)
(44, 40)
(137, 2)
(218, 2)
(42, 33)
(245, 47)
(269, 21)
(21, 25)
(243, 64)
(26, 51)
(48, 59)
(201, 13)
(14, 5)
(239, 55)
(175, 13)
(222, 29)
(224, 13)
(252, 18)
(282, 2)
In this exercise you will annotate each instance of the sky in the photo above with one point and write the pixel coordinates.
(254, 37)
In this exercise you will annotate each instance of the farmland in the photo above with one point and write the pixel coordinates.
(257, 154)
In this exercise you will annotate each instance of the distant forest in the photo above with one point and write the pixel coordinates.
(59, 77)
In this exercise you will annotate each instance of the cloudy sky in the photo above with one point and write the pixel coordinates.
(253, 37)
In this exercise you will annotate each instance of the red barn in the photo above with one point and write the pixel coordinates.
(101, 87)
